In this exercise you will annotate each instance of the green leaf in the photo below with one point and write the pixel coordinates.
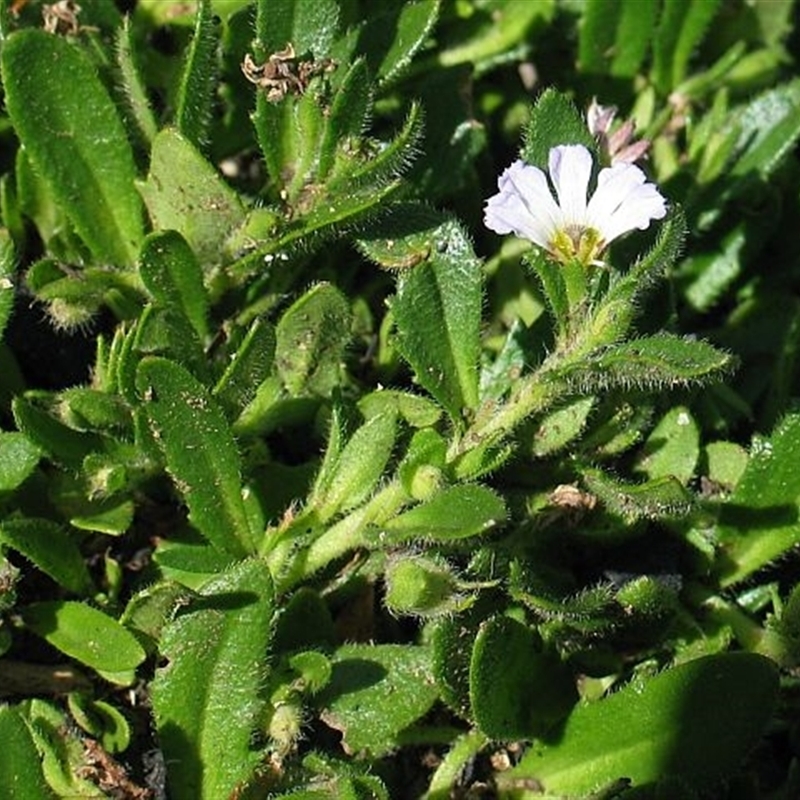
(191, 564)
(453, 513)
(437, 309)
(199, 80)
(171, 273)
(134, 90)
(18, 459)
(184, 192)
(7, 268)
(200, 451)
(494, 32)
(311, 338)
(20, 763)
(356, 468)
(562, 426)
(310, 27)
(653, 363)
(101, 721)
(516, 690)
(348, 116)
(248, 368)
(85, 634)
(612, 319)
(207, 698)
(374, 693)
(661, 497)
(163, 332)
(693, 723)
(759, 522)
(614, 37)
(554, 121)
(51, 549)
(672, 448)
(59, 442)
(681, 28)
(387, 54)
(767, 131)
(76, 141)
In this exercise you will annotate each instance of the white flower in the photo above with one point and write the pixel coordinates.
(573, 228)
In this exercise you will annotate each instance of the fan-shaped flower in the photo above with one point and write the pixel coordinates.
(573, 227)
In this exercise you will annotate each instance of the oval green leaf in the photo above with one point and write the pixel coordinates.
(85, 634)
(73, 135)
(693, 723)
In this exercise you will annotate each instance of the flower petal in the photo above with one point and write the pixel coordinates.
(570, 170)
(524, 205)
(623, 201)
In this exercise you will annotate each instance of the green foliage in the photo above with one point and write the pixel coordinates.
(75, 140)
(648, 747)
(388, 682)
(206, 697)
(291, 446)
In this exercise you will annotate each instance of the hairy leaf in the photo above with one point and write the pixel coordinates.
(200, 451)
(75, 140)
(692, 723)
(207, 697)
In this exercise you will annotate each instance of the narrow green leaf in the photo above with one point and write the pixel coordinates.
(357, 468)
(660, 497)
(375, 692)
(20, 763)
(496, 32)
(138, 104)
(614, 37)
(85, 634)
(653, 362)
(437, 309)
(554, 287)
(516, 690)
(554, 121)
(348, 116)
(693, 723)
(59, 442)
(208, 698)
(75, 139)
(200, 451)
(612, 320)
(560, 427)
(51, 549)
(768, 129)
(311, 338)
(250, 366)
(453, 513)
(184, 192)
(7, 268)
(389, 56)
(18, 458)
(681, 28)
(199, 80)
(759, 522)
(171, 273)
